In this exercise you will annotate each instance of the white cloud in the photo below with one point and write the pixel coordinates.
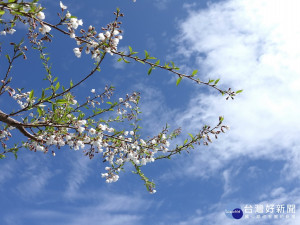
(250, 45)
(6, 172)
(78, 174)
(34, 177)
(112, 209)
(228, 174)
(120, 64)
(161, 4)
(103, 207)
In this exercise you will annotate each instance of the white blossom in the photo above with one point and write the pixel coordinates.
(40, 15)
(107, 34)
(11, 31)
(92, 131)
(75, 23)
(3, 32)
(101, 37)
(110, 130)
(93, 90)
(143, 142)
(77, 53)
(62, 5)
(81, 129)
(153, 191)
(81, 122)
(72, 35)
(68, 15)
(116, 32)
(102, 127)
(115, 41)
(40, 148)
(45, 29)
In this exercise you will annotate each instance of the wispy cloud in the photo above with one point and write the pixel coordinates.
(79, 171)
(102, 208)
(33, 179)
(7, 170)
(161, 4)
(250, 45)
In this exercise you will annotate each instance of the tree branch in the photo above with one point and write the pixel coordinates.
(14, 123)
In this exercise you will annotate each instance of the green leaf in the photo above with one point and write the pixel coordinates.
(57, 86)
(239, 91)
(8, 58)
(31, 94)
(61, 101)
(2, 12)
(216, 81)
(146, 54)
(173, 65)
(178, 81)
(191, 135)
(40, 111)
(43, 93)
(71, 83)
(130, 49)
(150, 70)
(194, 72)
(221, 118)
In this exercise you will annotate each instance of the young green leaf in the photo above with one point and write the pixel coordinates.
(31, 94)
(194, 72)
(150, 70)
(178, 81)
(216, 81)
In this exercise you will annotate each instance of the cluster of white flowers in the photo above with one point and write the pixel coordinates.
(72, 22)
(110, 177)
(3, 134)
(22, 99)
(94, 42)
(44, 28)
(10, 31)
(77, 52)
(116, 150)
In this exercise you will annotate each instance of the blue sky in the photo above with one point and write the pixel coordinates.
(249, 44)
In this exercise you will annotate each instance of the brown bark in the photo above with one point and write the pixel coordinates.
(14, 123)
